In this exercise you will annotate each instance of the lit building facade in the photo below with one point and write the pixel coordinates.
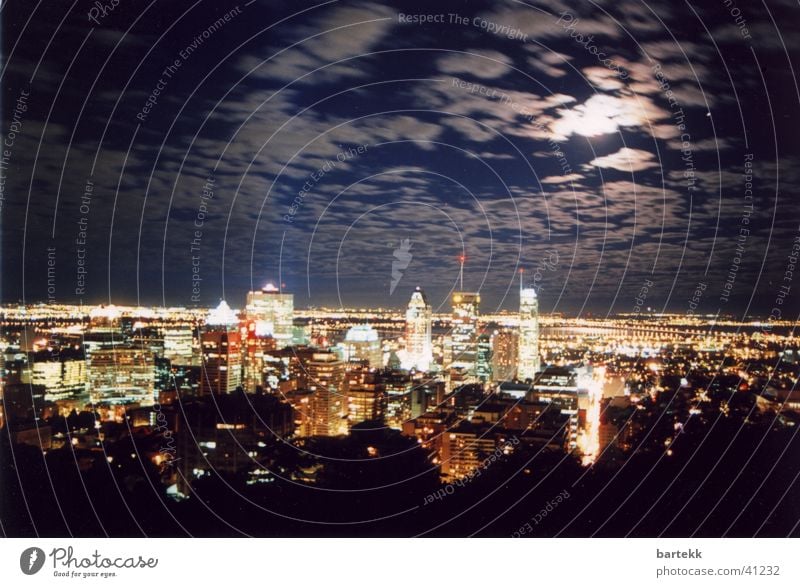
(220, 344)
(365, 397)
(528, 364)
(326, 379)
(463, 449)
(462, 352)
(419, 348)
(483, 366)
(63, 375)
(122, 375)
(398, 386)
(505, 348)
(361, 343)
(258, 361)
(559, 386)
(273, 312)
(179, 345)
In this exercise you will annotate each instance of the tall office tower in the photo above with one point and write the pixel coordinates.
(178, 344)
(505, 347)
(560, 387)
(122, 375)
(427, 394)
(294, 360)
(326, 379)
(301, 401)
(419, 348)
(63, 373)
(361, 343)
(257, 357)
(483, 365)
(528, 364)
(272, 312)
(398, 387)
(365, 396)
(220, 345)
(464, 333)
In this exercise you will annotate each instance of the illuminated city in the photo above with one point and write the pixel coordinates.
(389, 269)
(224, 391)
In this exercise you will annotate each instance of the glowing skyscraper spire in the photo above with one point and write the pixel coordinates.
(528, 357)
(419, 348)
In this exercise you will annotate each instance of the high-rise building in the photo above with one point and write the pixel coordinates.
(483, 365)
(398, 387)
(419, 348)
(122, 375)
(178, 345)
(365, 396)
(220, 344)
(505, 345)
(63, 374)
(464, 333)
(222, 361)
(257, 357)
(326, 379)
(426, 394)
(561, 388)
(302, 402)
(361, 343)
(528, 364)
(272, 311)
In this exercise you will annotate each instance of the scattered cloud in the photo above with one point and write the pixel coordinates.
(479, 63)
(626, 159)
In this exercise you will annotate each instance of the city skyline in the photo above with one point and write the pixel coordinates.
(392, 268)
(232, 393)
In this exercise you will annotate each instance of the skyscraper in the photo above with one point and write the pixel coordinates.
(222, 354)
(272, 312)
(419, 349)
(528, 364)
(178, 344)
(483, 365)
(365, 396)
(63, 374)
(464, 333)
(362, 343)
(398, 387)
(326, 379)
(120, 375)
(256, 356)
(505, 353)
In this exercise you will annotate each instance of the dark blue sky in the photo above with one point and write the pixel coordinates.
(610, 145)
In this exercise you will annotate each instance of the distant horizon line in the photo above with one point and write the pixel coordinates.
(565, 314)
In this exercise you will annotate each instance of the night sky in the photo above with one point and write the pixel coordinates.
(605, 147)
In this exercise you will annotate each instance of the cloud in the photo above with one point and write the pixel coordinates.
(605, 114)
(712, 144)
(484, 64)
(626, 159)
(547, 60)
(339, 34)
(569, 178)
(603, 78)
